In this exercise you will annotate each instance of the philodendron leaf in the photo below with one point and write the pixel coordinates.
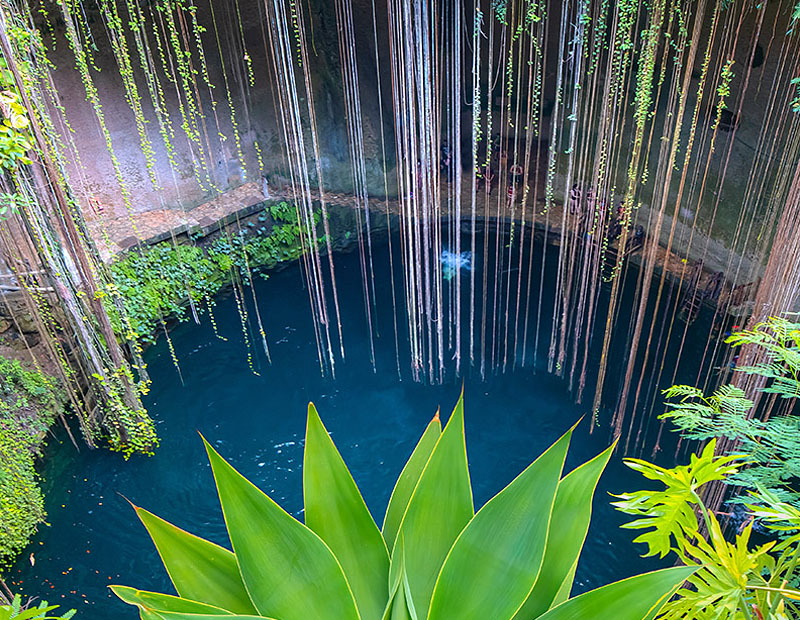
(289, 572)
(629, 599)
(572, 512)
(154, 601)
(440, 507)
(408, 479)
(200, 570)
(336, 511)
(494, 563)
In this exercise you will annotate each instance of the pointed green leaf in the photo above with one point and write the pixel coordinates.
(397, 609)
(337, 513)
(394, 599)
(629, 599)
(408, 479)
(164, 602)
(287, 569)
(200, 570)
(398, 606)
(572, 512)
(566, 586)
(439, 509)
(495, 561)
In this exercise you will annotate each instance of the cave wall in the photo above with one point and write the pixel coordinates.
(256, 117)
(258, 120)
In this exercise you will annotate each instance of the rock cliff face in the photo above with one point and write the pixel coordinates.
(258, 118)
(254, 108)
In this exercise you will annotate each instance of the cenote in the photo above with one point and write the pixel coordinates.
(576, 214)
(93, 538)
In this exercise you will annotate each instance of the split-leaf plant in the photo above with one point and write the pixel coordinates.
(735, 579)
(433, 558)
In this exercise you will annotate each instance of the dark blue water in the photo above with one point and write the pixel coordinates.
(94, 539)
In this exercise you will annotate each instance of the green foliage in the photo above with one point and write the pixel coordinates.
(157, 282)
(29, 404)
(734, 581)
(435, 558)
(15, 611)
(11, 202)
(669, 515)
(772, 444)
(15, 136)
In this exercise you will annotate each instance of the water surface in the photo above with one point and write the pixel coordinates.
(94, 539)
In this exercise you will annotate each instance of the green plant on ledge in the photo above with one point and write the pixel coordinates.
(434, 557)
(157, 282)
(29, 404)
(15, 135)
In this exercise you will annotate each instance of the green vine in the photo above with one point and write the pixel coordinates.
(30, 402)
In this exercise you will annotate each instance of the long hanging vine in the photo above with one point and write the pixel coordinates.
(607, 128)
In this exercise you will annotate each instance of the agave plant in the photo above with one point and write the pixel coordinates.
(434, 557)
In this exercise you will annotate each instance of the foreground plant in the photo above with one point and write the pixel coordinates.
(735, 580)
(771, 444)
(434, 557)
(16, 611)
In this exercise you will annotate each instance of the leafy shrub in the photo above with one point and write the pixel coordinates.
(434, 557)
(735, 580)
(29, 404)
(158, 282)
(15, 611)
(15, 136)
(772, 444)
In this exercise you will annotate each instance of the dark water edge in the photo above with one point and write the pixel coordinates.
(94, 539)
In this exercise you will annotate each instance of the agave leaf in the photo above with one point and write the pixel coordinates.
(164, 602)
(398, 608)
(438, 510)
(408, 479)
(412, 610)
(399, 600)
(200, 570)
(494, 563)
(566, 585)
(287, 569)
(572, 512)
(337, 513)
(395, 596)
(630, 599)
